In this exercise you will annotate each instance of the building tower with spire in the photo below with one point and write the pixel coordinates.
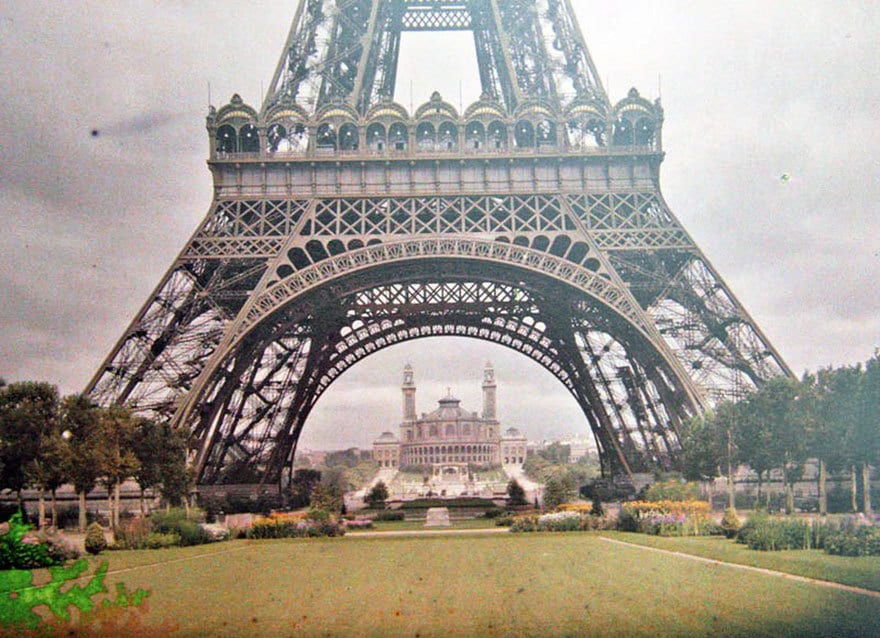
(489, 387)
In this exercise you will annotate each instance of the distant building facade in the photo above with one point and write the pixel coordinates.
(450, 438)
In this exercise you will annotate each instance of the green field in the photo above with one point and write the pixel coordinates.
(859, 572)
(476, 585)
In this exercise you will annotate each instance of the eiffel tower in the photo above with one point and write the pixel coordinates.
(343, 224)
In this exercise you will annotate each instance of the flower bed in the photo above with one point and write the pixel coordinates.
(560, 522)
(584, 508)
(358, 523)
(667, 518)
(317, 523)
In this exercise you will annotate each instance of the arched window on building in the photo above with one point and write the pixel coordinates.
(448, 136)
(227, 139)
(348, 137)
(376, 138)
(398, 136)
(524, 136)
(475, 135)
(497, 135)
(426, 137)
(644, 132)
(250, 139)
(546, 133)
(326, 137)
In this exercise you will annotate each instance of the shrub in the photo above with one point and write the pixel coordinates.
(505, 520)
(377, 495)
(493, 512)
(95, 541)
(730, 523)
(133, 534)
(358, 523)
(863, 540)
(516, 494)
(764, 533)
(527, 523)
(388, 515)
(214, 532)
(463, 501)
(175, 521)
(20, 550)
(597, 509)
(157, 540)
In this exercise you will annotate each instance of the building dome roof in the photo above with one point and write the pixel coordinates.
(450, 410)
(387, 437)
(513, 433)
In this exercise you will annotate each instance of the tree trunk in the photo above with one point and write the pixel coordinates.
(789, 491)
(54, 510)
(82, 511)
(117, 490)
(855, 490)
(41, 510)
(143, 504)
(760, 484)
(110, 517)
(866, 489)
(731, 490)
(823, 493)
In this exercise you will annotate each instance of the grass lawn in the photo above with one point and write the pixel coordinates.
(863, 571)
(484, 585)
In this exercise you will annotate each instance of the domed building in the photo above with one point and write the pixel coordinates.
(450, 438)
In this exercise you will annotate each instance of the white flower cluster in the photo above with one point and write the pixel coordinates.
(558, 516)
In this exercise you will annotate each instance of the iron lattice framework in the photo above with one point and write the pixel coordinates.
(343, 224)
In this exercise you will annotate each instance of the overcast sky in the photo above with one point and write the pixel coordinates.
(752, 90)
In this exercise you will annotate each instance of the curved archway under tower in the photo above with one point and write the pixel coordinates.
(256, 408)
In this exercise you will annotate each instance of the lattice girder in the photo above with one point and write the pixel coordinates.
(378, 316)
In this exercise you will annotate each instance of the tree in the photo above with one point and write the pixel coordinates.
(157, 449)
(28, 413)
(117, 460)
(837, 414)
(701, 449)
(784, 410)
(48, 471)
(377, 496)
(556, 453)
(556, 492)
(866, 435)
(327, 497)
(302, 485)
(177, 478)
(516, 495)
(79, 417)
(756, 435)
